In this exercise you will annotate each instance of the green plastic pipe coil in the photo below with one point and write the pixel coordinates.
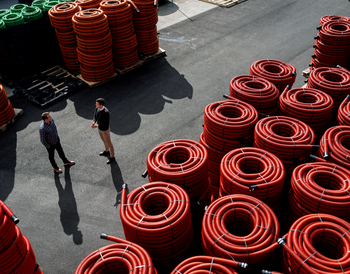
(38, 3)
(4, 12)
(49, 4)
(2, 24)
(31, 13)
(13, 19)
(17, 8)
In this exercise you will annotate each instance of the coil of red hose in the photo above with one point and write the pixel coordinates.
(316, 243)
(290, 139)
(252, 171)
(121, 257)
(88, 4)
(309, 105)
(319, 188)
(257, 91)
(343, 117)
(327, 18)
(334, 145)
(279, 73)
(240, 227)
(207, 264)
(7, 111)
(157, 216)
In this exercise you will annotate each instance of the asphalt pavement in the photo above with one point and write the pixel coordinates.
(206, 46)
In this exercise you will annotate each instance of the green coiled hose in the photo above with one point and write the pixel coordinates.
(49, 4)
(17, 8)
(38, 3)
(31, 13)
(13, 19)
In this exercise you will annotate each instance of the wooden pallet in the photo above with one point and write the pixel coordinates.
(160, 52)
(95, 84)
(306, 72)
(18, 113)
(225, 3)
(130, 68)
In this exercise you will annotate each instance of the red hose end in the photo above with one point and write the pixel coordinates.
(14, 219)
(144, 174)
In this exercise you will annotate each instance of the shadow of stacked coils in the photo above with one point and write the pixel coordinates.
(279, 73)
(319, 187)
(241, 228)
(316, 243)
(6, 110)
(335, 144)
(88, 4)
(228, 125)
(252, 171)
(121, 257)
(124, 48)
(206, 264)
(16, 253)
(184, 163)
(145, 24)
(343, 117)
(332, 45)
(290, 139)
(311, 106)
(61, 19)
(157, 216)
(94, 45)
(257, 91)
(333, 81)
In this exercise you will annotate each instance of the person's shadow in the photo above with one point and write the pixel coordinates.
(118, 181)
(69, 212)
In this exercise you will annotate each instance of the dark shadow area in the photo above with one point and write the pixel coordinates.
(69, 213)
(118, 180)
(167, 7)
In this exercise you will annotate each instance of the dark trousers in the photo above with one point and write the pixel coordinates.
(51, 151)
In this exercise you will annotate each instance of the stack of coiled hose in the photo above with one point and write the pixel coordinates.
(309, 105)
(16, 253)
(332, 44)
(333, 81)
(319, 188)
(228, 125)
(327, 18)
(145, 24)
(334, 146)
(94, 45)
(157, 216)
(291, 140)
(88, 4)
(252, 171)
(207, 264)
(279, 73)
(61, 19)
(124, 48)
(184, 163)
(343, 117)
(242, 228)
(121, 257)
(7, 111)
(257, 91)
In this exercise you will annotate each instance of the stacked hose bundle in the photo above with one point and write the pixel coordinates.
(332, 44)
(6, 110)
(316, 243)
(157, 216)
(228, 125)
(334, 146)
(242, 228)
(145, 24)
(31, 13)
(207, 264)
(311, 106)
(16, 253)
(119, 14)
(333, 81)
(61, 19)
(184, 163)
(94, 45)
(290, 139)
(88, 4)
(49, 4)
(39, 4)
(121, 257)
(252, 171)
(257, 91)
(13, 19)
(279, 73)
(319, 188)
(343, 117)
(327, 18)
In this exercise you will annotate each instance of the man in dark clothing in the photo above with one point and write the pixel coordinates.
(49, 138)
(101, 121)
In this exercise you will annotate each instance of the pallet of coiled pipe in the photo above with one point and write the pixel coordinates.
(120, 257)
(157, 216)
(230, 217)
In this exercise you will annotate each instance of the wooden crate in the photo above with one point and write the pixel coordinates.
(130, 68)
(225, 3)
(18, 113)
(95, 84)
(160, 52)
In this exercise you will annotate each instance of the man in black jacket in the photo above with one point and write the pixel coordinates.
(101, 121)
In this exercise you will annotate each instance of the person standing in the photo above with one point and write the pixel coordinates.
(101, 121)
(49, 138)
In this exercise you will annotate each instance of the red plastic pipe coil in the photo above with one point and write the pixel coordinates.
(88, 4)
(252, 171)
(121, 257)
(207, 264)
(230, 217)
(7, 111)
(257, 91)
(279, 73)
(157, 216)
(343, 117)
(319, 188)
(290, 139)
(309, 105)
(327, 18)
